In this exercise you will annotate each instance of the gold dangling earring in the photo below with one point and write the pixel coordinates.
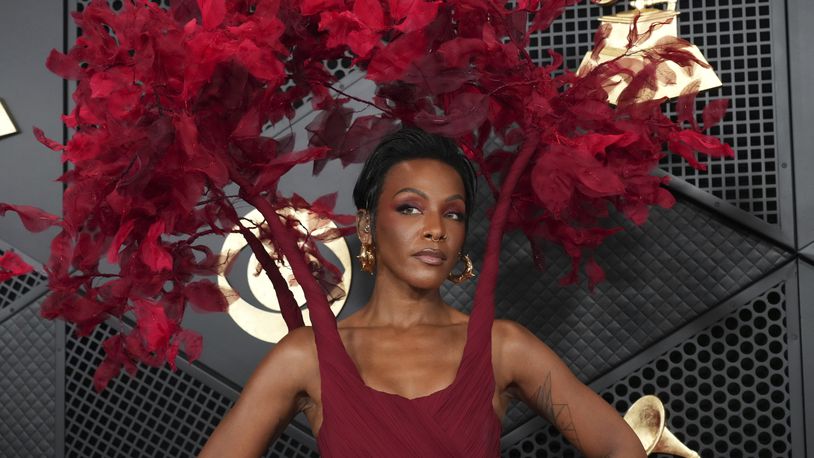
(367, 257)
(468, 272)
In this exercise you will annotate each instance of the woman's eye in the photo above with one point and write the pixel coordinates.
(457, 216)
(407, 210)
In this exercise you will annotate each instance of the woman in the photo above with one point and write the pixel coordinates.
(408, 375)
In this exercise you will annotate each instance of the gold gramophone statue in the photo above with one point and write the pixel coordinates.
(646, 417)
(653, 26)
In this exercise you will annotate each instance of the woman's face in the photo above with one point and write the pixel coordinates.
(420, 223)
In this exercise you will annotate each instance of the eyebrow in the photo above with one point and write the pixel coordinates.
(424, 195)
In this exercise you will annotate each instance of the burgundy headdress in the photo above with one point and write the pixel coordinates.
(169, 108)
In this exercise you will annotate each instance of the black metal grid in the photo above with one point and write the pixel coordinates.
(158, 413)
(725, 390)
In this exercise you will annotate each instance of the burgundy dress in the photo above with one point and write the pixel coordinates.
(457, 421)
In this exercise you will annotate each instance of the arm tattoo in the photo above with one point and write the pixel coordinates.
(558, 415)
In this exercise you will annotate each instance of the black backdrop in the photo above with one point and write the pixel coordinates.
(708, 305)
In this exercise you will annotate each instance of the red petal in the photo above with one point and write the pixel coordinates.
(430, 74)
(34, 219)
(690, 140)
(12, 265)
(211, 165)
(415, 14)
(261, 63)
(84, 311)
(600, 39)
(78, 202)
(391, 62)
(104, 373)
(685, 107)
(554, 190)
(311, 7)
(40, 136)
(465, 114)
(664, 198)
(458, 51)
(115, 357)
(346, 29)
(193, 344)
(65, 66)
(153, 325)
(88, 251)
(277, 167)
(599, 182)
(714, 112)
(83, 147)
(325, 204)
(103, 84)
(370, 13)
(118, 239)
(363, 137)
(61, 254)
(212, 12)
(205, 296)
(153, 254)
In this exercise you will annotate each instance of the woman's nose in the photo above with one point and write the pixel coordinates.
(434, 229)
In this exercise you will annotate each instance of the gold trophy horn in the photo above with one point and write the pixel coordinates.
(646, 417)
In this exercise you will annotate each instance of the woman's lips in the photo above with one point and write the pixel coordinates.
(431, 257)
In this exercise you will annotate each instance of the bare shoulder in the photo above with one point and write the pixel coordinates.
(298, 341)
(269, 399)
(514, 346)
(295, 355)
(510, 335)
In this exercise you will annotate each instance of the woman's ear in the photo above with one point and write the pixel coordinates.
(363, 229)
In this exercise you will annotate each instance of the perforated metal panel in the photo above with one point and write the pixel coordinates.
(158, 413)
(27, 385)
(726, 389)
(736, 38)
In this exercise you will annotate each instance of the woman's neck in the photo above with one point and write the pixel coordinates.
(396, 304)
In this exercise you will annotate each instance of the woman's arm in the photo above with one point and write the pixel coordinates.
(268, 400)
(544, 382)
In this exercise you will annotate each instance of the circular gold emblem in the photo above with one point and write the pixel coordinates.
(266, 322)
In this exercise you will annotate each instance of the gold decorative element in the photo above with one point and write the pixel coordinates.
(265, 322)
(665, 25)
(468, 272)
(647, 417)
(7, 126)
(367, 257)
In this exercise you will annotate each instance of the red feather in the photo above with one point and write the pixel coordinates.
(12, 265)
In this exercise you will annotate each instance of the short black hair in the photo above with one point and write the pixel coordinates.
(403, 145)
